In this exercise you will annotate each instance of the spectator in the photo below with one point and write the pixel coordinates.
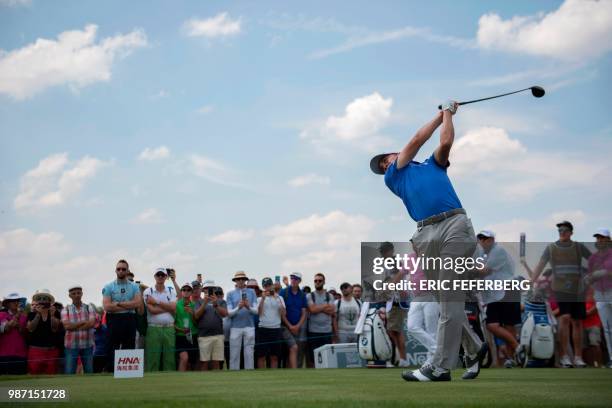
(307, 289)
(357, 291)
(396, 315)
(196, 293)
(209, 314)
(423, 315)
(332, 291)
(100, 340)
(503, 311)
(322, 319)
(79, 321)
(252, 284)
(186, 330)
(241, 303)
(295, 318)
(271, 310)
(347, 313)
(43, 323)
(121, 299)
(565, 257)
(13, 348)
(600, 277)
(592, 333)
(160, 343)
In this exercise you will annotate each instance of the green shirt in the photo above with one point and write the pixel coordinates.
(181, 315)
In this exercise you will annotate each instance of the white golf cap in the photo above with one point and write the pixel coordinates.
(208, 283)
(604, 232)
(297, 275)
(486, 234)
(75, 286)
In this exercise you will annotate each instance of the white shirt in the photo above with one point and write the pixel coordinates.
(270, 317)
(167, 296)
(348, 314)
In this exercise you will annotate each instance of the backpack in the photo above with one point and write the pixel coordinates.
(327, 297)
(373, 342)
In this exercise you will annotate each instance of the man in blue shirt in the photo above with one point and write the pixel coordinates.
(241, 308)
(294, 321)
(443, 233)
(120, 299)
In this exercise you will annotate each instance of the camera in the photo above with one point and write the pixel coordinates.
(211, 291)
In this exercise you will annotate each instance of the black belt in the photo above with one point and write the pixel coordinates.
(440, 217)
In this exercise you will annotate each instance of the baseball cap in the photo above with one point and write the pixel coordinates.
(75, 286)
(208, 283)
(486, 234)
(296, 275)
(565, 224)
(604, 232)
(196, 284)
(266, 282)
(187, 285)
(160, 271)
(375, 163)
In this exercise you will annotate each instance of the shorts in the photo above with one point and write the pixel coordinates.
(396, 318)
(211, 348)
(268, 342)
(182, 345)
(504, 313)
(592, 336)
(290, 338)
(571, 305)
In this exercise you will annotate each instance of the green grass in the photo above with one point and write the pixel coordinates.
(334, 387)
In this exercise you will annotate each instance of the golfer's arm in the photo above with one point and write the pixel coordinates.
(421, 136)
(447, 137)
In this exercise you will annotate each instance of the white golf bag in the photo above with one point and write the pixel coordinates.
(537, 338)
(373, 341)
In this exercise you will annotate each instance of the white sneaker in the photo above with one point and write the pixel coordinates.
(404, 363)
(390, 364)
(579, 362)
(565, 362)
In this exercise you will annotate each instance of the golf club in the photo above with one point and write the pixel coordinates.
(536, 91)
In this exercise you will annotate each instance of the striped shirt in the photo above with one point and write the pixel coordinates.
(81, 338)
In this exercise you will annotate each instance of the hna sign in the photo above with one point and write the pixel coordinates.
(129, 363)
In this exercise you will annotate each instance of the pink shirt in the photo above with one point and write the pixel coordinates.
(601, 260)
(12, 342)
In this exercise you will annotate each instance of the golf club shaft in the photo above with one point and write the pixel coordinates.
(490, 97)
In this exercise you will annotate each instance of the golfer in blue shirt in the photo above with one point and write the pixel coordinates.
(443, 232)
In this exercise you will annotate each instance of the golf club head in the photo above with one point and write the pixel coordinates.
(537, 91)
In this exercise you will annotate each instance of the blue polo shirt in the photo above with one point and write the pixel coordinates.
(294, 304)
(424, 188)
(121, 292)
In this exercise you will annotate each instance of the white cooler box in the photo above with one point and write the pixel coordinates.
(343, 355)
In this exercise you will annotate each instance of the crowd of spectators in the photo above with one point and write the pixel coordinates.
(197, 326)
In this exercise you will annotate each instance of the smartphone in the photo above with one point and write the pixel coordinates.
(211, 291)
(277, 279)
(200, 277)
(244, 296)
(137, 282)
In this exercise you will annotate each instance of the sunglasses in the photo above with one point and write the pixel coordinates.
(318, 280)
(186, 290)
(564, 229)
(160, 275)
(121, 269)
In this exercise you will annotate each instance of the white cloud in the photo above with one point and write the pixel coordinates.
(359, 126)
(161, 152)
(308, 179)
(213, 171)
(74, 59)
(220, 25)
(49, 260)
(372, 38)
(148, 216)
(232, 236)
(51, 183)
(489, 156)
(335, 229)
(578, 30)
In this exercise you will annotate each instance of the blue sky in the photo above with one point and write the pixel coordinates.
(218, 136)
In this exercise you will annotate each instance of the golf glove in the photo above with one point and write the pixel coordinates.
(450, 106)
